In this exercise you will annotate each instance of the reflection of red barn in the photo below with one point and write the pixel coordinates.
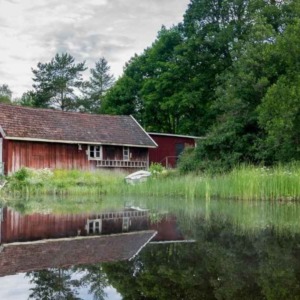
(170, 146)
(16, 227)
(22, 250)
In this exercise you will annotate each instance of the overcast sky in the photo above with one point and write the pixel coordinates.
(33, 31)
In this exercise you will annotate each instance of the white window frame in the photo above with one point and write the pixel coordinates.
(94, 226)
(126, 153)
(97, 150)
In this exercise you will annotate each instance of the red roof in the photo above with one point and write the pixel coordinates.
(23, 123)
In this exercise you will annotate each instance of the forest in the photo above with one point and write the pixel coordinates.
(229, 73)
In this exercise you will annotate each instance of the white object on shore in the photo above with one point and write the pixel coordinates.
(138, 176)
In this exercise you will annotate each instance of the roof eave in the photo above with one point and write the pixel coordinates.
(74, 142)
(177, 135)
(156, 145)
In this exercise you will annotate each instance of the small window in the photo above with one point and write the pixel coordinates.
(95, 152)
(125, 153)
(94, 226)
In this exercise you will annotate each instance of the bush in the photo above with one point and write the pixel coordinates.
(188, 161)
(156, 168)
(21, 175)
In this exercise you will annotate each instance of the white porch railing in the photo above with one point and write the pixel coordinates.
(121, 164)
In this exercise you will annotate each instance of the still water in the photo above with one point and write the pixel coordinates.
(151, 249)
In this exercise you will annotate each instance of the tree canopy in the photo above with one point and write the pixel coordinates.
(218, 74)
(57, 82)
(96, 87)
(228, 72)
(5, 94)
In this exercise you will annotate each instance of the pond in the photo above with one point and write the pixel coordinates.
(149, 249)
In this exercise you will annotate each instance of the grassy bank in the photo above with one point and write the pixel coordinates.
(29, 182)
(244, 183)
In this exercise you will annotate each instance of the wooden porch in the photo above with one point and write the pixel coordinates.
(108, 163)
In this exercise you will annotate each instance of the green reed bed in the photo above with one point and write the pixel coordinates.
(244, 183)
(63, 182)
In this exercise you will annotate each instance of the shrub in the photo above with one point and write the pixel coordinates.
(21, 175)
(156, 168)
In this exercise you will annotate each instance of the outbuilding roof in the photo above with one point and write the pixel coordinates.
(23, 123)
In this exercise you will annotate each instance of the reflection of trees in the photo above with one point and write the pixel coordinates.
(56, 284)
(95, 279)
(223, 264)
(53, 284)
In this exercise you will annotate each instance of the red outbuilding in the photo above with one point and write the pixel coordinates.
(170, 146)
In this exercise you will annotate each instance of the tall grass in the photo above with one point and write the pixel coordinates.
(28, 182)
(243, 183)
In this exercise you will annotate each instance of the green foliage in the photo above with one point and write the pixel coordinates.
(280, 117)
(188, 161)
(5, 94)
(156, 168)
(62, 182)
(279, 113)
(243, 182)
(218, 74)
(57, 81)
(22, 175)
(95, 89)
(27, 99)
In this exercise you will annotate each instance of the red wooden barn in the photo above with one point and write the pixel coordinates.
(45, 138)
(170, 146)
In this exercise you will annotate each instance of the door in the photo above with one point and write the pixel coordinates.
(178, 150)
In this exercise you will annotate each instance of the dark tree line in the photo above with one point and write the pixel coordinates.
(228, 72)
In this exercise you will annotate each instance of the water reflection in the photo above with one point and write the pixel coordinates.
(208, 250)
(65, 240)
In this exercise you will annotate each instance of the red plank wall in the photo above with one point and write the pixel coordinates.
(45, 155)
(167, 148)
(40, 155)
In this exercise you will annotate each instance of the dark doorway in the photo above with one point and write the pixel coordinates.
(178, 150)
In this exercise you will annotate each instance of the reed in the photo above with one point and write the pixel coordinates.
(280, 183)
(28, 182)
(243, 183)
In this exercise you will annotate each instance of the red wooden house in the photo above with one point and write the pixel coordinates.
(44, 138)
(170, 146)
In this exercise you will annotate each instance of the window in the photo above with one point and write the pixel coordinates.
(125, 153)
(95, 152)
(94, 226)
